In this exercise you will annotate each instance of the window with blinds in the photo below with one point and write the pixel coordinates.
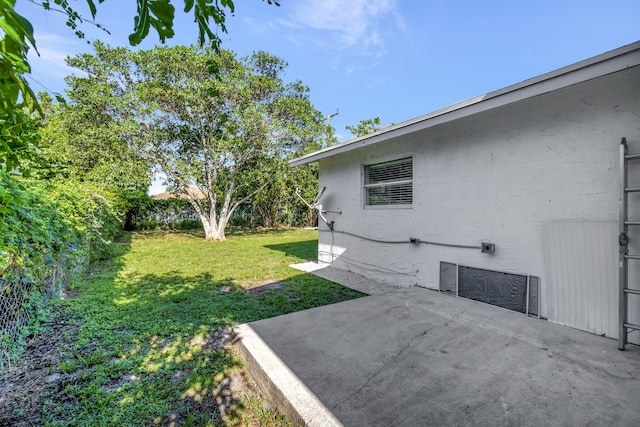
(389, 183)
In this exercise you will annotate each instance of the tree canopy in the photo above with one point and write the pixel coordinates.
(364, 127)
(17, 99)
(226, 130)
(79, 144)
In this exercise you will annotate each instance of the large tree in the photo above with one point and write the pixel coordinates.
(206, 119)
(18, 101)
(81, 144)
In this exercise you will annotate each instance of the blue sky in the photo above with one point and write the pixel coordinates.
(389, 58)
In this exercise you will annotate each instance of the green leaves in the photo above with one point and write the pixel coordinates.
(99, 153)
(18, 142)
(17, 37)
(14, 25)
(223, 132)
(92, 7)
(41, 223)
(158, 14)
(365, 127)
(17, 99)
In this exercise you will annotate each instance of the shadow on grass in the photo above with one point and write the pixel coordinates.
(123, 239)
(175, 302)
(112, 260)
(307, 249)
(153, 348)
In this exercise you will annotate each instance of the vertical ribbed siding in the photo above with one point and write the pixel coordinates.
(581, 264)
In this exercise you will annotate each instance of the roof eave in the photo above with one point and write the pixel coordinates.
(609, 62)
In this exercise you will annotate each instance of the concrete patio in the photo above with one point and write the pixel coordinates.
(415, 357)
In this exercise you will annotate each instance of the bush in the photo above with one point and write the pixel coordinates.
(44, 229)
(145, 213)
(137, 205)
(41, 222)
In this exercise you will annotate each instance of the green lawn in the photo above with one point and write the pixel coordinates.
(151, 323)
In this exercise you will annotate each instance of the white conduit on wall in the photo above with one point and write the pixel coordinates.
(484, 246)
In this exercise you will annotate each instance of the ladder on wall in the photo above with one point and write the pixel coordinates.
(624, 327)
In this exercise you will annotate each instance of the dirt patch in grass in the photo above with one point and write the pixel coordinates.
(250, 287)
(36, 377)
(261, 287)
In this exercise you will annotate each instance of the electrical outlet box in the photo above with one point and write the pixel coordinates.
(488, 248)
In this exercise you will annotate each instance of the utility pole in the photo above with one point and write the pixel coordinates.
(330, 116)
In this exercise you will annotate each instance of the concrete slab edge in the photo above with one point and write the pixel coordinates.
(280, 385)
(348, 279)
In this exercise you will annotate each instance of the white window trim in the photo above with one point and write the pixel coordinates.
(364, 186)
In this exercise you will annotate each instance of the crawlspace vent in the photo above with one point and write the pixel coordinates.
(515, 292)
(493, 287)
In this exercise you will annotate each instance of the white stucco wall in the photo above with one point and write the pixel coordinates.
(538, 178)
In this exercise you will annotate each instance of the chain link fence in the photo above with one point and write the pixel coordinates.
(19, 302)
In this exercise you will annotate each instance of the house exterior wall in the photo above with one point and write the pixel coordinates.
(539, 178)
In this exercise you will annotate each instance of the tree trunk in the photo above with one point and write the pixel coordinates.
(213, 230)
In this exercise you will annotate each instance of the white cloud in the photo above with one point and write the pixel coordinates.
(258, 28)
(53, 49)
(352, 68)
(361, 24)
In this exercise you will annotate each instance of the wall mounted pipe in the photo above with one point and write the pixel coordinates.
(484, 247)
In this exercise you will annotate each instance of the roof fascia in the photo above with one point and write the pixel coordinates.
(607, 63)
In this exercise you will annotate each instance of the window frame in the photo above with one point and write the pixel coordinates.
(365, 186)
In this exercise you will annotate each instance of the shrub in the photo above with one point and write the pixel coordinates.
(44, 229)
(42, 223)
(145, 213)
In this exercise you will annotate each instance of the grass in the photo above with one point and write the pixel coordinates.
(151, 324)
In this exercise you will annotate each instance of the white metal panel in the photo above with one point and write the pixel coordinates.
(582, 275)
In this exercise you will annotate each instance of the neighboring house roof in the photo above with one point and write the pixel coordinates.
(194, 191)
(607, 63)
